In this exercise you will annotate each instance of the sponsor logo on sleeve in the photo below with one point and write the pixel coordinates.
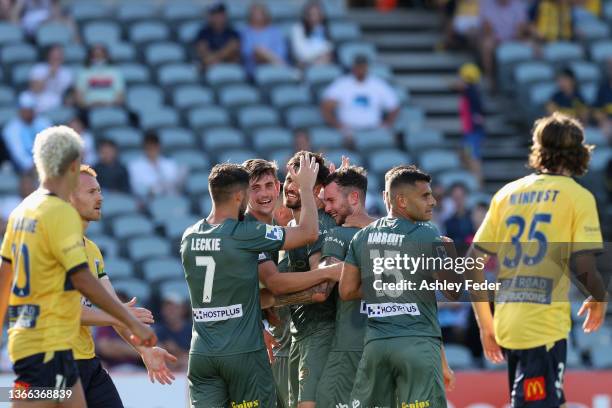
(534, 389)
(274, 233)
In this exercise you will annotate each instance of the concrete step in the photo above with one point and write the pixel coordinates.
(402, 41)
(503, 171)
(424, 62)
(426, 83)
(413, 20)
(437, 104)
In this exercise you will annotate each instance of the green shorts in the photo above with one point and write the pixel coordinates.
(307, 360)
(239, 380)
(280, 369)
(337, 380)
(400, 371)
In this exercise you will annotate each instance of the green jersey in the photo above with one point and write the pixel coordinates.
(310, 318)
(350, 315)
(385, 252)
(264, 256)
(220, 263)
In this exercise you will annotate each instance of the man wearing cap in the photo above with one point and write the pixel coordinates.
(19, 133)
(217, 42)
(359, 100)
(174, 330)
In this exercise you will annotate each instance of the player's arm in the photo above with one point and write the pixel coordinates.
(350, 282)
(283, 283)
(584, 267)
(6, 276)
(447, 371)
(449, 275)
(314, 294)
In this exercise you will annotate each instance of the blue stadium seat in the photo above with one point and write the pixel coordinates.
(207, 116)
(284, 96)
(134, 288)
(348, 51)
(562, 52)
(533, 71)
(451, 177)
(118, 268)
(10, 33)
(163, 53)
(51, 33)
(176, 138)
(593, 135)
(18, 52)
(143, 248)
(134, 73)
(324, 138)
(197, 183)
(508, 54)
(175, 287)
(340, 31)
(375, 139)
(383, 160)
(143, 97)
(601, 51)
(589, 92)
(592, 29)
(238, 156)
(585, 71)
(188, 96)
(237, 95)
(108, 245)
(541, 93)
(117, 204)
(161, 269)
(437, 160)
(9, 182)
(222, 74)
(60, 115)
(283, 10)
(280, 157)
(95, 229)
(107, 116)
(148, 31)
(156, 118)
(6, 114)
(335, 156)
(600, 158)
(222, 138)
(75, 54)
(188, 31)
(251, 117)
(267, 75)
(322, 74)
(177, 74)
(423, 139)
(89, 10)
(136, 10)
(272, 138)
(168, 207)
(127, 226)
(175, 227)
(181, 10)
(101, 32)
(205, 205)
(7, 95)
(410, 119)
(458, 356)
(121, 52)
(124, 136)
(194, 160)
(303, 117)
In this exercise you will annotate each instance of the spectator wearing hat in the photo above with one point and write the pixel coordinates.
(217, 42)
(153, 174)
(472, 118)
(57, 78)
(100, 83)
(43, 100)
(19, 133)
(174, 330)
(359, 101)
(568, 99)
(309, 38)
(112, 174)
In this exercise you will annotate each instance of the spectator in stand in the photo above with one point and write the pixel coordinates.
(359, 101)
(463, 23)
(112, 174)
(217, 42)
(89, 151)
(310, 42)
(99, 84)
(153, 174)
(43, 101)
(501, 21)
(551, 20)
(27, 185)
(587, 9)
(603, 103)
(19, 133)
(472, 118)
(568, 99)
(459, 226)
(262, 42)
(57, 78)
(31, 14)
(301, 140)
(174, 330)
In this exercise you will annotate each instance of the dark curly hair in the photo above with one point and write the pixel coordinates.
(558, 144)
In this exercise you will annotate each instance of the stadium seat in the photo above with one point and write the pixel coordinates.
(593, 135)
(272, 138)
(322, 74)
(285, 96)
(323, 138)
(251, 117)
(121, 52)
(176, 138)
(533, 71)
(341, 31)
(51, 33)
(7, 95)
(206, 117)
(589, 92)
(348, 51)
(148, 31)
(562, 52)
(592, 29)
(541, 93)
(142, 248)
(156, 118)
(464, 177)
(601, 51)
(156, 270)
(458, 356)
(118, 268)
(188, 96)
(508, 54)
(410, 119)
(222, 138)
(175, 287)
(75, 54)
(60, 115)
(18, 52)
(163, 53)
(303, 117)
(175, 227)
(280, 157)
(89, 10)
(283, 10)
(101, 32)
(369, 140)
(381, 161)
(107, 116)
(188, 31)
(205, 205)
(134, 288)
(222, 74)
(6, 114)
(193, 159)
(197, 183)
(585, 71)
(177, 74)
(108, 245)
(95, 229)
(267, 75)
(124, 136)
(237, 95)
(600, 158)
(384, 72)
(181, 10)
(118, 203)
(10, 33)
(142, 97)
(237, 156)
(9, 182)
(423, 139)
(602, 357)
(434, 161)
(136, 10)
(134, 73)
(335, 156)
(127, 226)
(168, 207)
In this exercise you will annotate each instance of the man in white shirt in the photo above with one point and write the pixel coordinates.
(154, 175)
(359, 101)
(57, 77)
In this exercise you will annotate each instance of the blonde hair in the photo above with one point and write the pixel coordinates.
(54, 149)
(87, 169)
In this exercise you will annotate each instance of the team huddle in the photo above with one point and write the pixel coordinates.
(285, 313)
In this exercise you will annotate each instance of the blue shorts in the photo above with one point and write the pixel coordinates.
(99, 389)
(472, 143)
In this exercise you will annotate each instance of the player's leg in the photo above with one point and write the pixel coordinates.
(249, 379)
(417, 367)
(100, 391)
(280, 370)
(336, 383)
(206, 387)
(538, 376)
(294, 373)
(314, 352)
(374, 383)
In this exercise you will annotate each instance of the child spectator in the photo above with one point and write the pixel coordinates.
(472, 118)
(568, 99)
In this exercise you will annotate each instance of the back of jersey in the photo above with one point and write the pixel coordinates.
(220, 263)
(44, 243)
(533, 226)
(383, 252)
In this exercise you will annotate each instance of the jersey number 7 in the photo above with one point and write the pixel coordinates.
(209, 275)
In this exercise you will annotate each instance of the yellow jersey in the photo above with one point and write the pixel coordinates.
(44, 244)
(84, 347)
(533, 226)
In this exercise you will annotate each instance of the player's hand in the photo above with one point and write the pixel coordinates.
(595, 314)
(319, 293)
(306, 176)
(270, 342)
(143, 315)
(155, 359)
(345, 164)
(491, 349)
(142, 335)
(449, 377)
